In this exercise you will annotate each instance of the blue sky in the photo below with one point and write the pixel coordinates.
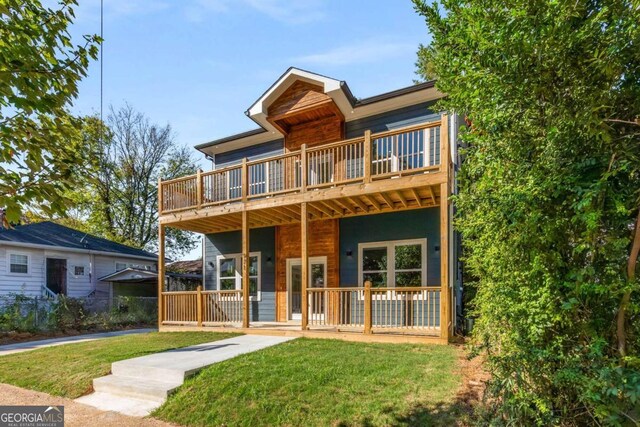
(199, 64)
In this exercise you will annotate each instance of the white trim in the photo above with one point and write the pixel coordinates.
(238, 276)
(391, 258)
(74, 250)
(29, 264)
(298, 261)
(72, 271)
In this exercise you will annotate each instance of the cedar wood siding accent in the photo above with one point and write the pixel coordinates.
(300, 95)
(323, 241)
(260, 240)
(317, 132)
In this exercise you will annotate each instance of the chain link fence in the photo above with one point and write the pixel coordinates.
(20, 313)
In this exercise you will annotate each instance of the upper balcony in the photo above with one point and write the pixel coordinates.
(392, 170)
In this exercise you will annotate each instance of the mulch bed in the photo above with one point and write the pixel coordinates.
(13, 337)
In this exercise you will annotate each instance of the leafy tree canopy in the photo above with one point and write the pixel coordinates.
(42, 153)
(549, 198)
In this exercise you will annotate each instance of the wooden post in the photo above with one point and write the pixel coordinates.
(160, 198)
(245, 269)
(244, 180)
(199, 188)
(444, 144)
(304, 249)
(303, 167)
(445, 299)
(368, 321)
(161, 278)
(199, 305)
(367, 156)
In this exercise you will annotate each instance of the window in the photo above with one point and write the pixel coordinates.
(121, 266)
(78, 270)
(230, 273)
(19, 264)
(396, 263)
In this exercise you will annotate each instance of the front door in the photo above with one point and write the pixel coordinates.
(317, 279)
(57, 275)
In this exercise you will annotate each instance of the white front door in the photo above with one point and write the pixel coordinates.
(317, 279)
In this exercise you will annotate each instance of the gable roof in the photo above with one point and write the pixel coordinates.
(54, 235)
(338, 90)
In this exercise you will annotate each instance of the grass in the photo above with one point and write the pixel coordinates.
(323, 383)
(68, 370)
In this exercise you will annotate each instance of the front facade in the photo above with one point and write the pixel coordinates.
(47, 259)
(339, 207)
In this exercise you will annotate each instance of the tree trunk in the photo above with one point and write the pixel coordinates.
(626, 298)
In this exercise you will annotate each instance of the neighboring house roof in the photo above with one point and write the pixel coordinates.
(338, 90)
(186, 267)
(50, 234)
(137, 275)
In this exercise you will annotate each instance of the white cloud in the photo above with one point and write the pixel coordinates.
(358, 53)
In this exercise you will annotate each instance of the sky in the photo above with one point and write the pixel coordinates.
(199, 64)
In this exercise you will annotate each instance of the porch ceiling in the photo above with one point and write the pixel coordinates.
(392, 200)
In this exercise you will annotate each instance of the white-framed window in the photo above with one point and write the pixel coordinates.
(229, 273)
(78, 270)
(18, 263)
(398, 263)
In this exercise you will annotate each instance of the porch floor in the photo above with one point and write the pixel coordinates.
(293, 329)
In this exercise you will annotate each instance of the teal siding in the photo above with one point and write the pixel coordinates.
(254, 152)
(260, 240)
(414, 224)
(407, 116)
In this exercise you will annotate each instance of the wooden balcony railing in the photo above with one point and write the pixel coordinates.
(384, 155)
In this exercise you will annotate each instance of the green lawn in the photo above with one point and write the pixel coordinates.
(323, 383)
(67, 370)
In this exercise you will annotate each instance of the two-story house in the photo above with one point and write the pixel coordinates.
(331, 217)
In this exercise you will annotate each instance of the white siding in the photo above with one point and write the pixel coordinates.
(30, 284)
(27, 284)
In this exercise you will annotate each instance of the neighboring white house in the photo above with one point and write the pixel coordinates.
(48, 258)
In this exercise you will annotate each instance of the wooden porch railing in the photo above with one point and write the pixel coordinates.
(202, 307)
(358, 309)
(400, 309)
(414, 149)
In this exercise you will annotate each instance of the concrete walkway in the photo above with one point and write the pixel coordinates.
(32, 345)
(140, 385)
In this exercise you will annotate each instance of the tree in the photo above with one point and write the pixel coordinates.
(549, 198)
(41, 152)
(121, 202)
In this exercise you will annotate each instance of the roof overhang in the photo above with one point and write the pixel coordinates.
(129, 275)
(74, 250)
(338, 91)
(333, 88)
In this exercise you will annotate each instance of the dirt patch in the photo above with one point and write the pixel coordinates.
(75, 414)
(474, 380)
(18, 337)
